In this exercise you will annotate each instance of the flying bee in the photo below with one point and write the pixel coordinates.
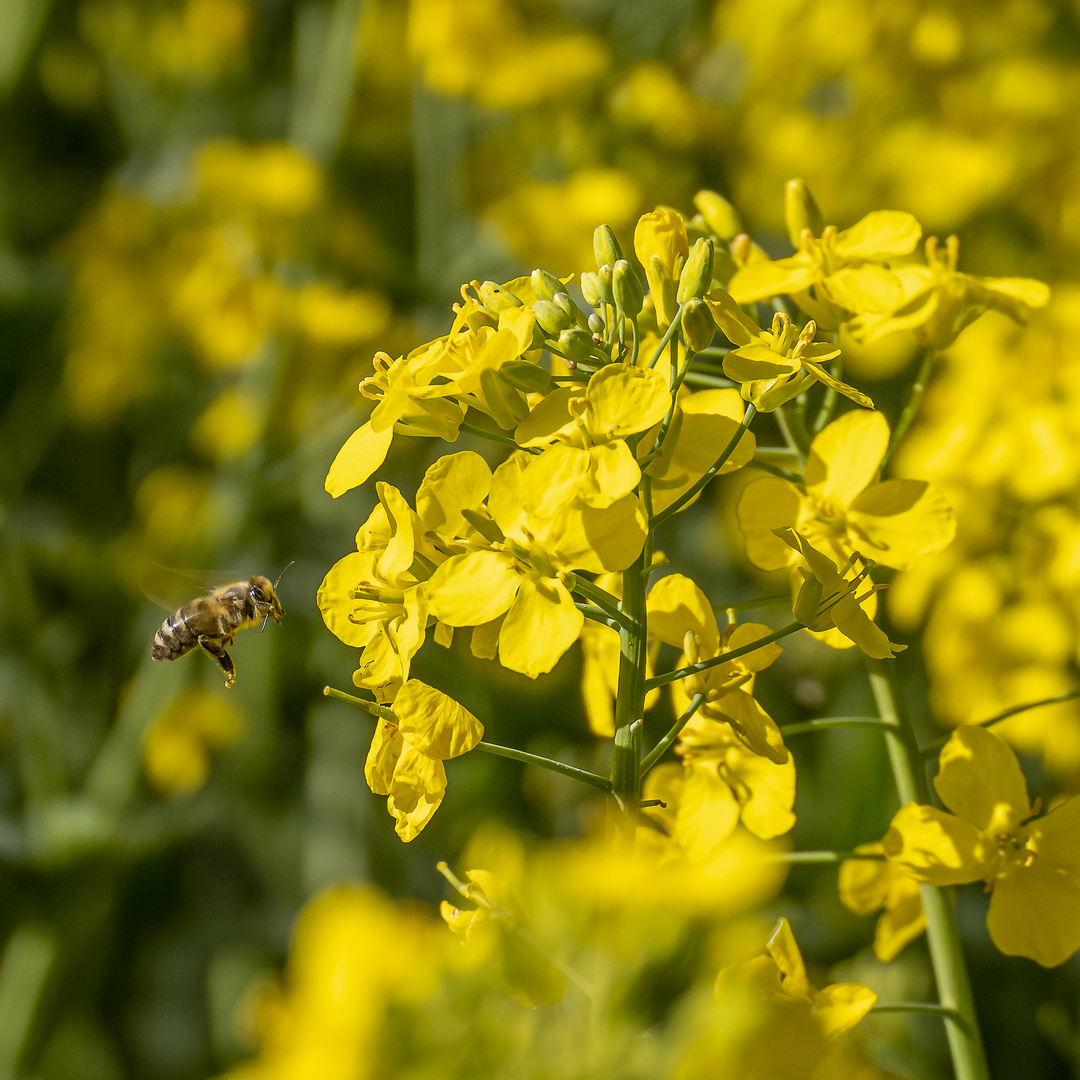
(210, 622)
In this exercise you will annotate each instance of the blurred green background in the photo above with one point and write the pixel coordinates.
(212, 213)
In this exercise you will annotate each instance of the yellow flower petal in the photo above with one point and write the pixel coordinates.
(1035, 912)
(897, 521)
(382, 757)
(624, 400)
(839, 1007)
(766, 505)
(938, 848)
(845, 457)
(708, 811)
(364, 451)
(336, 602)
(434, 723)
(760, 280)
(454, 483)
(416, 791)
(878, 237)
(542, 624)
(980, 780)
(474, 588)
(675, 604)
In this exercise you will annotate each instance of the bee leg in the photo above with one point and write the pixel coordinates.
(223, 659)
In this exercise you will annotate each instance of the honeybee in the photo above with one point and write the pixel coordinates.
(210, 622)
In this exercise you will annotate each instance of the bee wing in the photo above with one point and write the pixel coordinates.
(170, 588)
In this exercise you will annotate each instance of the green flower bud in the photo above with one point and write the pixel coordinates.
(719, 215)
(698, 328)
(603, 275)
(576, 344)
(596, 325)
(505, 403)
(801, 211)
(568, 307)
(807, 603)
(696, 277)
(528, 377)
(590, 289)
(545, 285)
(626, 287)
(484, 525)
(605, 246)
(496, 298)
(550, 317)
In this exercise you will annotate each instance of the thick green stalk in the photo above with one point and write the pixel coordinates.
(942, 934)
(630, 697)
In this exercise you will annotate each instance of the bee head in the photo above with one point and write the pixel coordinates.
(265, 599)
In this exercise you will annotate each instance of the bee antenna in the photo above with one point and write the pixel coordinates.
(265, 617)
(283, 573)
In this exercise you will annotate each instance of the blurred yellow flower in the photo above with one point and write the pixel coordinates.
(176, 754)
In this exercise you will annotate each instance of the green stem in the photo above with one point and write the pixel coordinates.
(828, 402)
(918, 1007)
(635, 341)
(942, 933)
(607, 603)
(703, 378)
(717, 465)
(491, 436)
(630, 697)
(384, 713)
(724, 657)
(371, 707)
(907, 417)
(873, 722)
(595, 614)
(756, 603)
(1069, 695)
(669, 333)
(785, 429)
(818, 856)
(586, 777)
(658, 751)
(677, 377)
(775, 470)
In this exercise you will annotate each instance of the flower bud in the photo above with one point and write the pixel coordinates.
(626, 288)
(567, 306)
(596, 325)
(576, 344)
(496, 298)
(605, 246)
(698, 327)
(545, 285)
(590, 289)
(603, 275)
(696, 277)
(550, 317)
(801, 211)
(808, 603)
(527, 376)
(505, 403)
(719, 215)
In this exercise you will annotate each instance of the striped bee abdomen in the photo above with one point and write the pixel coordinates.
(174, 637)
